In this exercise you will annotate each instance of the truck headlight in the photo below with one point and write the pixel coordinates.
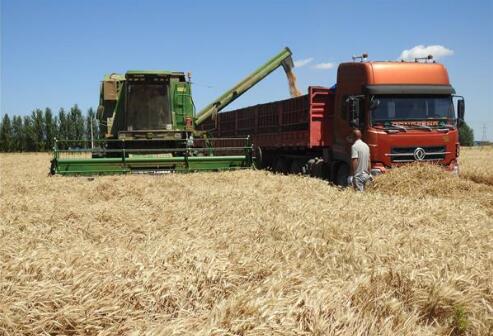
(375, 172)
(378, 169)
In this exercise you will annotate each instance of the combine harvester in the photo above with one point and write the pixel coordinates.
(405, 111)
(148, 122)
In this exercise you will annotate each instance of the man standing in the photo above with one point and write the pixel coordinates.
(360, 162)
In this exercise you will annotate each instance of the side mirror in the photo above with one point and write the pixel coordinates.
(460, 112)
(354, 123)
(353, 106)
(374, 104)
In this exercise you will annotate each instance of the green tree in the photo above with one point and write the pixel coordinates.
(76, 124)
(63, 129)
(6, 134)
(17, 134)
(38, 129)
(29, 138)
(50, 128)
(466, 135)
(56, 123)
(91, 126)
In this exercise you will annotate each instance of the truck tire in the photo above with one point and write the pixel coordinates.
(259, 158)
(342, 175)
(280, 165)
(316, 167)
(297, 166)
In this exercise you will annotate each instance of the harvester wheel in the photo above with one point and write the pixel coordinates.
(53, 167)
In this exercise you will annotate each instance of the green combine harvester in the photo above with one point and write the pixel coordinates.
(148, 124)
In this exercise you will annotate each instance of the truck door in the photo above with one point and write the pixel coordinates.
(342, 129)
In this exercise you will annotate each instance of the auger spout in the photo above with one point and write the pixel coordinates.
(281, 59)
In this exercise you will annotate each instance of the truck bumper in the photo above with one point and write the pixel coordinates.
(452, 167)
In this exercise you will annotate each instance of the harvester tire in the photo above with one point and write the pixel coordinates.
(53, 167)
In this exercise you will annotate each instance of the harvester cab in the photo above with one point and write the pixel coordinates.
(146, 105)
(147, 123)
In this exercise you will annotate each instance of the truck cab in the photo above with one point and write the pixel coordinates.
(405, 111)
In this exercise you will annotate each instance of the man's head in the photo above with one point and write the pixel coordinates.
(356, 134)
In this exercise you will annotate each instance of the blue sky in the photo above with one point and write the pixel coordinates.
(54, 53)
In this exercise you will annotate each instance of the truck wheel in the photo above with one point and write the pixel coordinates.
(280, 165)
(259, 158)
(342, 175)
(316, 168)
(297, 166)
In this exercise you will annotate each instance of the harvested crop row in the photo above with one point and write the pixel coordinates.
(242, 253)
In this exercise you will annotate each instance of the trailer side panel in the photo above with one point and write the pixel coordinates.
(296, 123)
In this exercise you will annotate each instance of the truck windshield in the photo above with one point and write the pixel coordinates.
(148, 107)
(390, 108)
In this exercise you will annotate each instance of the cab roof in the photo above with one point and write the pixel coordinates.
(407, 73)
(155, 72)
(138, 73)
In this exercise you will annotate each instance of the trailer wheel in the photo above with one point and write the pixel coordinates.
(280, 165)
(316, 168)
(297, 166)
(259, 158)
(342, 175)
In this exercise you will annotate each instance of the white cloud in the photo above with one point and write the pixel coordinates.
(437, 51)
(302, 62)
(324, 66)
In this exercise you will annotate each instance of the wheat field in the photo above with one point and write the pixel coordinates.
(246, 253)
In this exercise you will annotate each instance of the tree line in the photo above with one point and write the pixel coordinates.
(36, 132)
(466, 135)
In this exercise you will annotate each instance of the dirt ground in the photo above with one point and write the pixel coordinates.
(246, 253)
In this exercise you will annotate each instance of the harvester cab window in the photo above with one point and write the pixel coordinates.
(148, 107)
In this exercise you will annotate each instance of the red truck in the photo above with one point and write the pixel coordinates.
(405, 111)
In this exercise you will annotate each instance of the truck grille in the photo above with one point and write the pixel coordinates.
(410, 154)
